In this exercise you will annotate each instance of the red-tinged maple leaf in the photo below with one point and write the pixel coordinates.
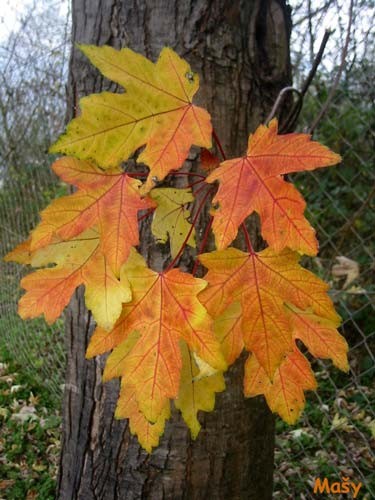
(109, 200)
(285, 394)
(78, 261)
(263, 283)
(254, 183)
(164, 309)
(155, 111)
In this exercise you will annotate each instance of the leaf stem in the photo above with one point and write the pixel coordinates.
(146, 174)
(218, 144)
(208, 226)
(144, 216)
(195, 183)
(190, 174)
(200, 189)
(247, 239)
(199, 210)
(202, 245)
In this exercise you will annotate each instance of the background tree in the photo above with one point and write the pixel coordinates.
(241, 51)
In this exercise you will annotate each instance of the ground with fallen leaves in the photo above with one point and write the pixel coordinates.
(335, 437)
(29, 435)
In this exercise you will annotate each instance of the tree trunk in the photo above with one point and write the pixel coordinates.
(241, 51)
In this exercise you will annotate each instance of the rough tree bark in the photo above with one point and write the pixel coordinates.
(241, 51)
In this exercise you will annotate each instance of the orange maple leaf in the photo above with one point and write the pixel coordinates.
(228, 330)
(263, 283)
(148, 433)
(20, 254)
(164, 309)
(255, 183)
(78, 261)
(285, 394)
(109, 200)
(156, 110)
(320, 336)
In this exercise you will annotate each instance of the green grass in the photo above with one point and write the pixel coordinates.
(314, 447)
(39, 350)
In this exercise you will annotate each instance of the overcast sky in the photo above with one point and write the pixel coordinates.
(8, 16)
(12, 10)
(11, 13)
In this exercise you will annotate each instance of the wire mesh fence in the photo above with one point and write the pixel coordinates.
(335, 437)
(33, 67)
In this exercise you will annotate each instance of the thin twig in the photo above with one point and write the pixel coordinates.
(290, 121)
(202, 245)
(198, 213)
(317, 61)
(218, 144)
(336, 82)
(312, 14)
(280, 99)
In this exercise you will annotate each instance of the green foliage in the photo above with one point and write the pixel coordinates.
(341, 203)
(336, 198)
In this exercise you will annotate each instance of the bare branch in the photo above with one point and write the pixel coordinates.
(336, 82)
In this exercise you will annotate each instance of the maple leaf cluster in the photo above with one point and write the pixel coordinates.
(172, 335)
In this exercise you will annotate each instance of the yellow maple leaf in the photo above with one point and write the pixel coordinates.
(78, 261)
(156, 110)
(171, 216)
(196, 393)
(20, 254)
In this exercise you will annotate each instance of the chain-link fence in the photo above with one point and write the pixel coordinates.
(33, 68)
(334, 437)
